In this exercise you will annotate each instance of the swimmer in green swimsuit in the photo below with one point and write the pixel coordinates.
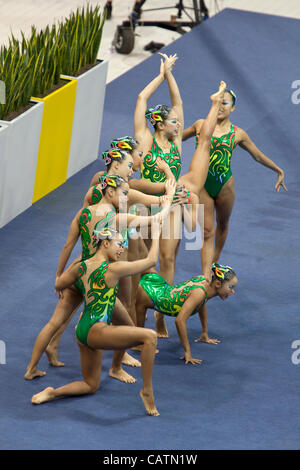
(218, 194)
(184, 299)
(165, 142)
(100, 276)
(219, 171)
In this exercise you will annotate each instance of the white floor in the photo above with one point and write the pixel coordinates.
(17, 15)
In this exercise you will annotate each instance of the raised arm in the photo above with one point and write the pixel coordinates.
(129, 268)
(141, 130)
(174, 92)
(191, 304)
(246, 143)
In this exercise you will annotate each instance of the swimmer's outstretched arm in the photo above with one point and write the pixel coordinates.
(123, 220)
(139, 197)
(191, 304)
(246, 143)
(147, 187)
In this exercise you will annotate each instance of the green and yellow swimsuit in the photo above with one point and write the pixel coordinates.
(151, 173)
(99, 300)
(219, 170)
(169, 299)
(173, 159)
(89, 245)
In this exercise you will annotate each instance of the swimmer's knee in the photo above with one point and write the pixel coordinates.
(167, 259)
(93, 387)
(208, 233)
(223, 225)
(54, 325)
(151, 336)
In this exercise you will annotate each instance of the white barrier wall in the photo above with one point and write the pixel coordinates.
(3, 139)
(19, 162)
(87, 120)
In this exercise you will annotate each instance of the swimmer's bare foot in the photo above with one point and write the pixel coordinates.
(148, 400)
(130, 361)
(161, 327)
(220, 93)
(140, 347)
(44, 396)
(52, 355)
(121, 375)
(32, 373)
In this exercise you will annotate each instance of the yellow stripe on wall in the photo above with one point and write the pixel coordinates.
(55, 139)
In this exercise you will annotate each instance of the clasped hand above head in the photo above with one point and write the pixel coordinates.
(166, 65)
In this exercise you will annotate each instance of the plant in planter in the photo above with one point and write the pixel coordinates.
(21, 119)
(81, 34)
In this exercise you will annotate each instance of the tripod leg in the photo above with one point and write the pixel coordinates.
(203, 9)
(180, 7)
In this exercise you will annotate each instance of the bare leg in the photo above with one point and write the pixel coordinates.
(167, 261)
(65, 307)
(142, 303)
(207, 251)
(195, 178)
(52, 348)
(103, 336)
(124, 295)
(121, 317)
(91, 363)
(136, 250)
(224, 206)
(116, 370)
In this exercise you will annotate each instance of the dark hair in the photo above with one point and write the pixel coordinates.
(104, 234)
(127, 143)
(158, 114)
(233, 95)
(114, 154)
(222, 273)
(112, 181)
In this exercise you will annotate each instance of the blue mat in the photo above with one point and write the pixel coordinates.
(245, 393)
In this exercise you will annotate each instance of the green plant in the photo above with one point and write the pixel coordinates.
(79, 38)
(30, 67)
